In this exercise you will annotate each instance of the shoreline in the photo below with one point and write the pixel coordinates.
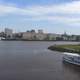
(37, 40)
(66, 48)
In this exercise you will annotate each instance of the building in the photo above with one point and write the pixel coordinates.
(40, 36)
(8, 33)
(67, 37)
(53, 36)
(72, 38)
(29, 36)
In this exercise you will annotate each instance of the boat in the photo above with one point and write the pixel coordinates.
(72, 58)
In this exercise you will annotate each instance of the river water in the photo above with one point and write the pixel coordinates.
(31, 60)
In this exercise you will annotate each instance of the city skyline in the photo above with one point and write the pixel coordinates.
(34, 30)
(53, 16)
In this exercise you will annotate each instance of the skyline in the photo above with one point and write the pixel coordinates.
(55, 16)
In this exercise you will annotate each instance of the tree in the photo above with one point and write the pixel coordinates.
(33, 31)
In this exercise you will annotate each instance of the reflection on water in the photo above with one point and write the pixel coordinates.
(69, 69)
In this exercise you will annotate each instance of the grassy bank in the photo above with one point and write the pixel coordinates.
(66, 48)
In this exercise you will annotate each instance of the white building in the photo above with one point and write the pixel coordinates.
(8, 32)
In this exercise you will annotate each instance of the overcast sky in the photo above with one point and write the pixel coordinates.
(55, 16)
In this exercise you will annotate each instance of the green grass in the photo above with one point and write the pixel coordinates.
(70, 46)
(66, 48)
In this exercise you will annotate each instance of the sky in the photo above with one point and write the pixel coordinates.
(53, 16)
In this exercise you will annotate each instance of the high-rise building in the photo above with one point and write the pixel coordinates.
(8, 32)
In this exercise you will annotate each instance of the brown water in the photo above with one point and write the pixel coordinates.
(33, 61)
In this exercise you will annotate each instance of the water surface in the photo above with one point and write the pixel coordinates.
(31, 60)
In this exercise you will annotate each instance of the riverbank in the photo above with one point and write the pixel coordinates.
(35, 40)
(66, 48)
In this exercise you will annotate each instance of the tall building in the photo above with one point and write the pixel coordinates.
(9, 33)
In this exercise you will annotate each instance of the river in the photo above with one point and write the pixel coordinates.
(31, 60)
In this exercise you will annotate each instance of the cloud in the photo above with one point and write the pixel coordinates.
(5, 10)
(73, 7)
(62, 12)
(67, 8)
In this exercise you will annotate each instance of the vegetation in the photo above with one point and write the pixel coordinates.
(66, 48)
